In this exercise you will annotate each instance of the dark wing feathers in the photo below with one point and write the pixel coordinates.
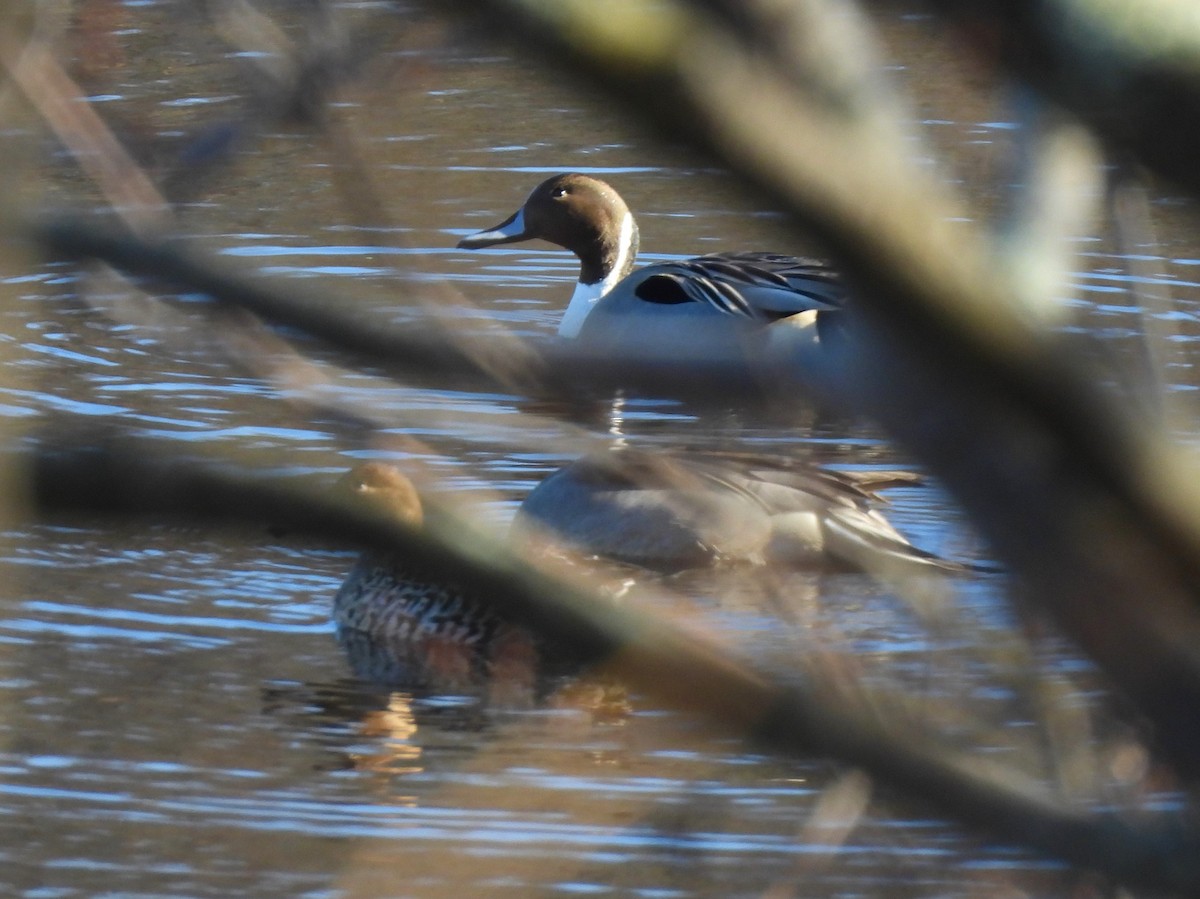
(765, 286)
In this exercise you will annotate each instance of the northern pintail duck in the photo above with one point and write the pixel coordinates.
(672, 512)
(401, 626)
(722, 298)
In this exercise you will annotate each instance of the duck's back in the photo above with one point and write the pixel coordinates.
(635, 508)
(675, 511)
(757, 288)
(706, 306)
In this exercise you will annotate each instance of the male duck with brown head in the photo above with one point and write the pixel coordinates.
(721, 299)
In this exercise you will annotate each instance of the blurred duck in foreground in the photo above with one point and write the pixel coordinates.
(741, 302)
(677, 511)
(399, 625)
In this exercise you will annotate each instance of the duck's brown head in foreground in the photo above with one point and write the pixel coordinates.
(579, 213)
(384, 490)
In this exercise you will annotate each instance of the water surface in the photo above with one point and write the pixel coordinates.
(179, 720)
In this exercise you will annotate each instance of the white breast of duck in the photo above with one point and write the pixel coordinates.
(671, 512)
(726, 294)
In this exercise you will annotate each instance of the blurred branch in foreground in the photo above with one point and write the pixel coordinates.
(142, 478)
(63, 106)
(1129, 70)
(1099, 513)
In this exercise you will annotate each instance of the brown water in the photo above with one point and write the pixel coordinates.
(179, 720)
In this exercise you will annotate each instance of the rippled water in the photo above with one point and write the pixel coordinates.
(179, 719)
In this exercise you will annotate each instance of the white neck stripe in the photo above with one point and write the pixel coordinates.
(586, 296)
(624, 247)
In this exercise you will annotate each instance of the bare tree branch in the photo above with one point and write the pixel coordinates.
(1126, 69)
